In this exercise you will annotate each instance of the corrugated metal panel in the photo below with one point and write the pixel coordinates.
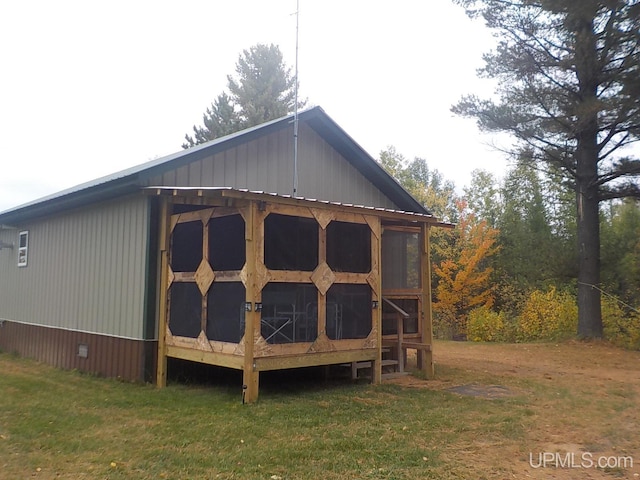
(325, 174)
(266, 164)
(108, 356)
(86, 271)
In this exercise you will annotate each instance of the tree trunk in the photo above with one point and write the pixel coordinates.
(587, 156)
(589, 313)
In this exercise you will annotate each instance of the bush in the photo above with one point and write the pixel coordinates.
(621, 327)
(550, 315)
(485, 325)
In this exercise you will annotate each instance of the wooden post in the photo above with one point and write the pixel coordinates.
(376, 261)
(401, 351)
(426, 358)
(250, 377)
(163, 247)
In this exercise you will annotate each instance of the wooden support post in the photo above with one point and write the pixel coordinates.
(163, 247)
(426, 358)
(401, 350)
(250, 376)
(376, 262)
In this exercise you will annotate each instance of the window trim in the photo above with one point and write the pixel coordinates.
(23, 251)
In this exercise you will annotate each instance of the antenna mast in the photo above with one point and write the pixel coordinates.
(295, 114)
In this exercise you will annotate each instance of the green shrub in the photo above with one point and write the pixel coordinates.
(485, 325)
(620, 326)
(550, 315)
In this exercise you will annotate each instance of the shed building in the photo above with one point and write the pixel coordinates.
(206, 255)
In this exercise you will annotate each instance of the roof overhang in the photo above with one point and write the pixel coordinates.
(201, 195)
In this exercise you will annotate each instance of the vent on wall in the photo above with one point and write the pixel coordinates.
(83, 350)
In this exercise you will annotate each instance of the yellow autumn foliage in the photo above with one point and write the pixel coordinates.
(486, 325)
(464, 275)
(621, 327)
(549, 315)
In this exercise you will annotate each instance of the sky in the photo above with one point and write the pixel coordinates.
(88, 88)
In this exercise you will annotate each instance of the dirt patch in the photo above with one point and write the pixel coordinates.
(484, 391)
(583, 398)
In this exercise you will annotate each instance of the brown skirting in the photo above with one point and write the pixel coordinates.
(132, 360)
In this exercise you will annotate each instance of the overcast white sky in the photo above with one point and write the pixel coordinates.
(88, 88)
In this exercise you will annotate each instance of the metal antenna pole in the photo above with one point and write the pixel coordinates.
(295, 114)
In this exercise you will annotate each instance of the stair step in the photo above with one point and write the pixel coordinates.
(394, 375)
(360, 365)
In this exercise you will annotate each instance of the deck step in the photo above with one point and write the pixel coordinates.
(386, 376)
(359, 365)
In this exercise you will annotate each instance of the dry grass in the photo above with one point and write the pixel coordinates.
(572, 397)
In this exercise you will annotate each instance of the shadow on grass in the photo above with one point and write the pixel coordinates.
(290, 382)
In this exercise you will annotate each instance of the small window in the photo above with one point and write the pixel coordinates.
(23, 247)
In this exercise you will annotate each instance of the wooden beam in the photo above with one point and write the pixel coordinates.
(315, 359)
(163, 245)
(376, 314)
(209, 357)
(250, 376)
(426, 358)
(227, 197)
(348, 209)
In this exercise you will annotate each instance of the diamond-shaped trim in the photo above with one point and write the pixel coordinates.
(323, 278)
(322, 344)
(262, 276)
(203, 342)
(204, 277)
(374, 224)
(372, 280)
(323, 217)
(170, 277)
(243, 275)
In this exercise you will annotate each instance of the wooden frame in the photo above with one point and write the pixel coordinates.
(253, 353)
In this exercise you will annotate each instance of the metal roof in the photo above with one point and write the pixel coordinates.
(261, 195)
(130, 180)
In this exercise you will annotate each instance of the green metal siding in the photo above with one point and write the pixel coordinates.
(86, 270)
(266, 164)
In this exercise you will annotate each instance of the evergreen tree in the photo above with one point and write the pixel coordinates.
(569, 91)
(219, 120)
(527, 257)
(483, 196)
(263, 90)
(621, 251)
(428, 186)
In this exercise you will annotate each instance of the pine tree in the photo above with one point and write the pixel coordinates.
(219, 120)
(263, 90)
(569, 91)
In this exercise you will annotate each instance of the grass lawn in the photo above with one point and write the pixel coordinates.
(66, 425)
